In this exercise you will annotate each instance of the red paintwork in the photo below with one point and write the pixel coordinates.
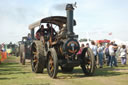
(103, 41)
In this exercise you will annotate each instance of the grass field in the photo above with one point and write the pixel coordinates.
(13, 73)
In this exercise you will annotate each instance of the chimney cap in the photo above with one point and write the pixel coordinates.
(69, 7)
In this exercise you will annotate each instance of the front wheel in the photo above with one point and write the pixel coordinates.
(88, 64)
(52, 63)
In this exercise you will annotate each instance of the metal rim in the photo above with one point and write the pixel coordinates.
(50, 64)
(34, 56)
(88, 65)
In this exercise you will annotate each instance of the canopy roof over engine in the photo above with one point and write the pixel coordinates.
(57, 20)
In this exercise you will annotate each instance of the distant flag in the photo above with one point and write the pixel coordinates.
(110, 33)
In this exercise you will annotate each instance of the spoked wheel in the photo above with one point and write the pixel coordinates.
(23, 58)
(37, 60)
(22, 54)
(52, 63)
(88, 65)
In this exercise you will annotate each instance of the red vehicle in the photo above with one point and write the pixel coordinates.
(103, 41)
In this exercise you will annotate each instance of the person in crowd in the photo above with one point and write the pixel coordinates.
(87, 45)
(112, 53)
(29, 37)
(100, 54)
(80, 51)
(0, 55)
(94, 49)
(123, 54)
(115, 50)
(81, 48)
(3, 55)
(108, 57)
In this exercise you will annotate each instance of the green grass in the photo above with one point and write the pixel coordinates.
(16, 74)
(13, 73)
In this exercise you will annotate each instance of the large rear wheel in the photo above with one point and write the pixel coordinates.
(52, 63)
(38, 59)
(88, 65)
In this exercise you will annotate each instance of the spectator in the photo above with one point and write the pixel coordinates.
(123, 54)
(80, 51)
(94, 49)
(100, 54)
(112, 52)
(87, 45)
(81, 48)
(3, 55)
(108, 57)
(0, 56)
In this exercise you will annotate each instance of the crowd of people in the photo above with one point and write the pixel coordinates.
(108, 53)
(3, 54)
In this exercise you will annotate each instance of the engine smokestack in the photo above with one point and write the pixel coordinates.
(70, 23)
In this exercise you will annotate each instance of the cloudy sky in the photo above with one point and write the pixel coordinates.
(95, 18)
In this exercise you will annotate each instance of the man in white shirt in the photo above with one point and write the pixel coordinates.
(94, 49)
(112, 53)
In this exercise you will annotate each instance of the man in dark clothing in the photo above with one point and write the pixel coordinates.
(40, 32)
(108, 57)
(115, 49)
(29, 37)
(51, 32)
(45, 34)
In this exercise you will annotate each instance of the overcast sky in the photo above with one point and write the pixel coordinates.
(95, 18)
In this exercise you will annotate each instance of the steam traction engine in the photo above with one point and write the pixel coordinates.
(62, 50)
